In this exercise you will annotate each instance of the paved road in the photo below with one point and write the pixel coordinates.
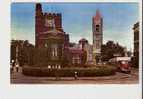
(119, 78)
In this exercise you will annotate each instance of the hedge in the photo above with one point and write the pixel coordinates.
(68, 72)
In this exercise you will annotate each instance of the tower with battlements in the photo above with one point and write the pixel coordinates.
(45, 22)
(50, 38)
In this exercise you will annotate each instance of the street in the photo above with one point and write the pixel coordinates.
(119, 78)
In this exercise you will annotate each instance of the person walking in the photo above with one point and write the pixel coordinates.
(17, 68)
(75, 75)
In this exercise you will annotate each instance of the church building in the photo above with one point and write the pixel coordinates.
(49, 35)
(51, 39)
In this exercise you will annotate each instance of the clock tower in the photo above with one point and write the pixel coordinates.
(97, 28)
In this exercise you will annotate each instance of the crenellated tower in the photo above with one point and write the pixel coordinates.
(45, 22)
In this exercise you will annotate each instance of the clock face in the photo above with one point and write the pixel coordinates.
(49, 23)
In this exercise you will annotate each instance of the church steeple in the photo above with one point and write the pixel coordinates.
(97, 27)
(98, 13)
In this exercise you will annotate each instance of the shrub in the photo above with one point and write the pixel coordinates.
(68, 72)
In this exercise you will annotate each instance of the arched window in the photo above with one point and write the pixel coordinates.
(97, 28)
(54, 50)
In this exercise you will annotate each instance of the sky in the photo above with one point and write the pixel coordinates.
(118, 20)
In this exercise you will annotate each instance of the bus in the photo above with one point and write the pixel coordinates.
(123, 64)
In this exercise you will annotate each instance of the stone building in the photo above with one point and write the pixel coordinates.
(75, 55)
(97, 28)
(52, 43)
(52, 47)
(136, 45)
(49, 35)
(83, 43)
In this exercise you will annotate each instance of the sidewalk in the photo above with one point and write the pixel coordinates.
(18, 77)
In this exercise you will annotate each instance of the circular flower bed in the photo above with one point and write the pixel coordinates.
(68, 72)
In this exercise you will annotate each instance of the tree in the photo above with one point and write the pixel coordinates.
(110, 50)
(25, 51)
